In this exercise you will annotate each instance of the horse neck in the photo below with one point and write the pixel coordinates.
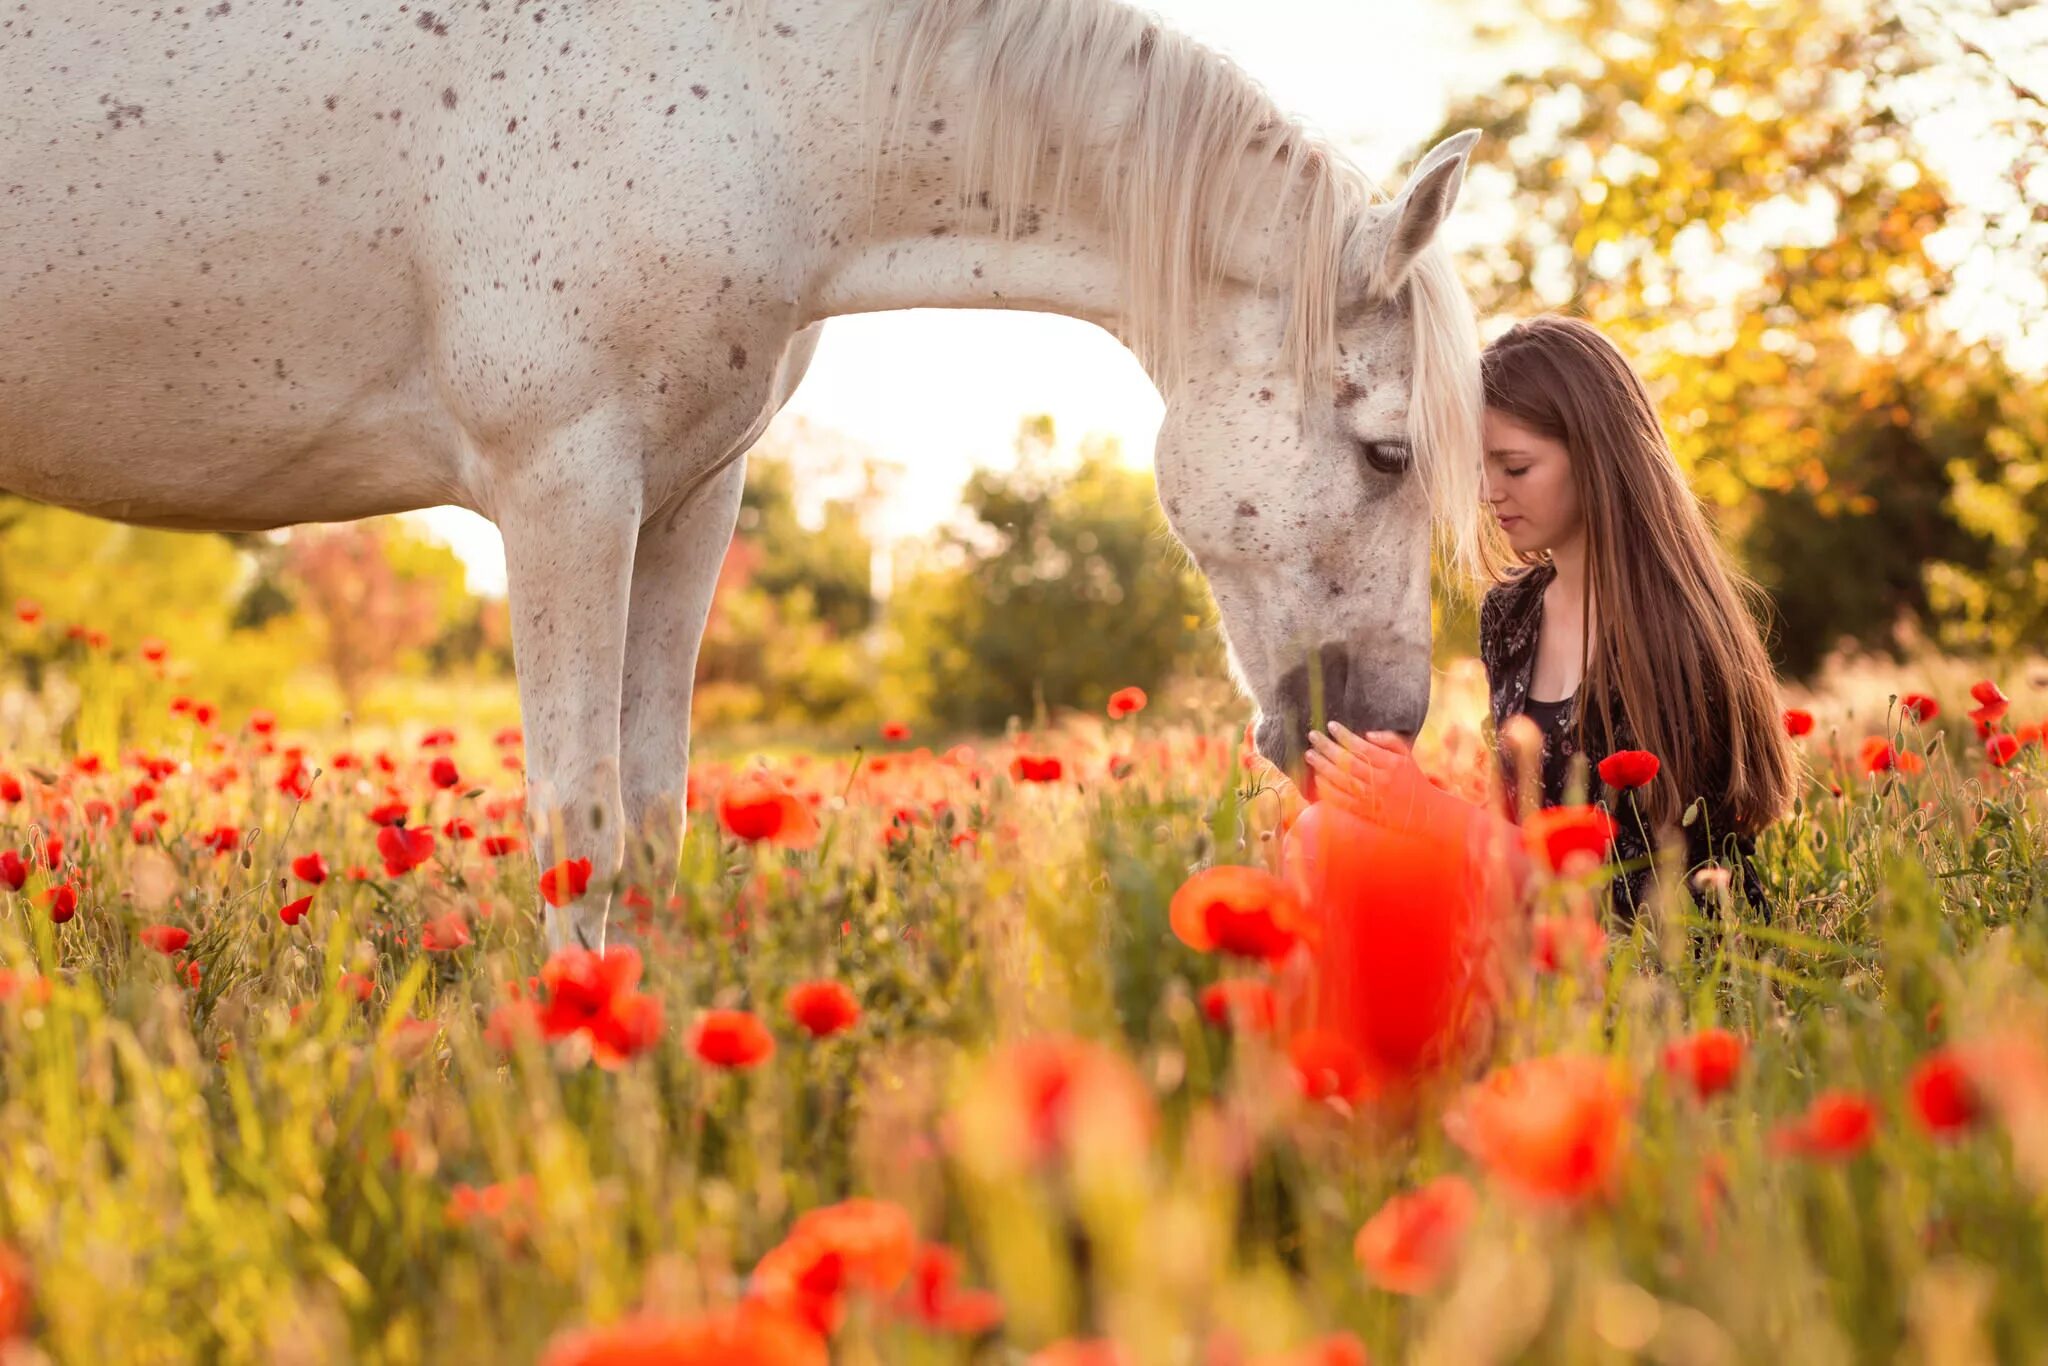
(912, 236)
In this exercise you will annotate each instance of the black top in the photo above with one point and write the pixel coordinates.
(1510, 620)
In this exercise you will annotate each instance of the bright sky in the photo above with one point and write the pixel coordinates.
(941, 391)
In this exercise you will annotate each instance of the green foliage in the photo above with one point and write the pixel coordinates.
(1066, 586)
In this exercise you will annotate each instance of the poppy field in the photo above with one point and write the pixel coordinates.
(992, 1051)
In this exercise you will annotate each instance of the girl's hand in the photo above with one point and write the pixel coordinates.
(1373, 776)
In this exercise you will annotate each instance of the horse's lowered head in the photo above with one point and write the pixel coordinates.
(1311, 488)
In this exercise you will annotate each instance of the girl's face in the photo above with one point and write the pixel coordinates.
(1529, 486)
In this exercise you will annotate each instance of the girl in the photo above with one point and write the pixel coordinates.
(1615, 621)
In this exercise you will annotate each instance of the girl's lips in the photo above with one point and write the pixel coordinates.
(1509, 521)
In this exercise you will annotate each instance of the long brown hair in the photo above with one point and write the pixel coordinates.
(1675, 642)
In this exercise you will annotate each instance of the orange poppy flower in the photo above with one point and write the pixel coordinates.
(1552, 1129)
(1876, 755)
(566, 881)
(1240, 910)
(746, 1335)
(1410, 1245)
(863, 1245)
(1126, 702)
(758, 808)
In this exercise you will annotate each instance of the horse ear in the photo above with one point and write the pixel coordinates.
(1407, 226)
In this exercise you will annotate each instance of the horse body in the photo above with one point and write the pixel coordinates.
(265, 263)
(269, 264)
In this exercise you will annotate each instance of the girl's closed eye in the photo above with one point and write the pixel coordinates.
(1516, 472)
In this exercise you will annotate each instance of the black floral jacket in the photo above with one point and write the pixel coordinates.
(1510, 619)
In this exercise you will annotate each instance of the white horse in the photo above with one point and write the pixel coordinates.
(559, 261)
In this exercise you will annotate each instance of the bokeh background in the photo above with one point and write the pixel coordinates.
(1818, 227)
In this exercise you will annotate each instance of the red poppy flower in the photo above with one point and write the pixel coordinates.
(750, 1334)
(856, 1245)
(757, 808)
(13, 871)
(1243, 1002)
(445, 933)
(566, 881)
(222, 839)
(1836, 1126)
(498, 846)
(1551, 1129)
(1626, 768)
(387, 813)
(1944, 1095)
(1991, 703)
(11, 790)
(732, 1039)
(404, 849)
(165, 939)
(1919, 706)
(1876, 755)
(895, 731)
(1565, 836)
(62, 900)
(153, 649)
(311, 868)
(934, 1299)
(1037, 768)
(1706, 1061)
(292, 912)
(355, 984)
(1411, 1244)
(1240, 910)
(593, 994)
(443, 773)
(823, 1008)
(2001, 749)
(1126, 702)
(27, 611)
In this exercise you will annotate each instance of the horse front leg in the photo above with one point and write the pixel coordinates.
(675, 572)
(568, 504)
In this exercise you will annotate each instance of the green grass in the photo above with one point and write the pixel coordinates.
(259, 1168)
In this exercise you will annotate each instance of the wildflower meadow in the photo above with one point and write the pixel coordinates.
(984, 1051)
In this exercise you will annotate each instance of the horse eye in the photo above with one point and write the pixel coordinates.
(1388, 457)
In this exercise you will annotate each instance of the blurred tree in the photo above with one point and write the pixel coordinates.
(1063, 587)
(375, 590)
(1735, 191)
(786, 643)
(831, 561)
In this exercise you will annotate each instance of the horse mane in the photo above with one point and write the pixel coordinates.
(1176, 154)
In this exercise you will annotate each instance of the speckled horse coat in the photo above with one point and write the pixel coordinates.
(559, 261)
